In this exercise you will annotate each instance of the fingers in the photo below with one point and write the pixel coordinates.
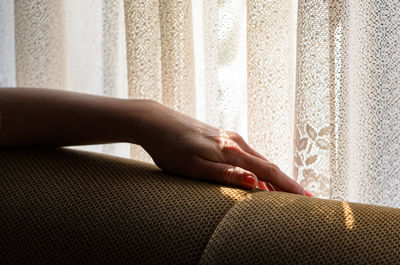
(251, 151)
(235, 151)
(227, 174)
(269, 172)
(245, 146)
(263, 169)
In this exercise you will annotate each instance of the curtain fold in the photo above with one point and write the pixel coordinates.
(365, 71)
(271, 34)
(39, 43)
(313, 98)
(7, 44)
(312, 85)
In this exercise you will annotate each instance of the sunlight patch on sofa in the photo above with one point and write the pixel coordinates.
(234, 194)
(348, 216)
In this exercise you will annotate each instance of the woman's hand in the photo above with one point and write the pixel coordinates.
(185, 146)
(176, 142)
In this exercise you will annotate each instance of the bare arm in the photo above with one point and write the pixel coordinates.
(50, 117)
(176, 142)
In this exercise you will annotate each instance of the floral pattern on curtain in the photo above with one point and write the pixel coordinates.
(311, 84)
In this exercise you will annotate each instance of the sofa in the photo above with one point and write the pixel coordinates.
(59, 205)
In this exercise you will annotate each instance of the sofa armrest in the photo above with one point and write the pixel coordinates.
(284, 228)
(69, 206)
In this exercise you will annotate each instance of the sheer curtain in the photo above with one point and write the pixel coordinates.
(313, 85)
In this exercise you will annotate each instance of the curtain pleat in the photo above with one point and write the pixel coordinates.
(114, 49)
(85, 39)
(225, 89)
(7, 44)
(271, 33)
(366, 68)
(209, 25)
(177, 56)
(340, 74)
(143, 46)
(313, 98)
(39, 43)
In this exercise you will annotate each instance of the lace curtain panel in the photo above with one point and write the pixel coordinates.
(311, 84)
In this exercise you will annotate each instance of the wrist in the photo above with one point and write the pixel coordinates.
(136, 124)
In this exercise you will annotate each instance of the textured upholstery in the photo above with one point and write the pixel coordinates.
(69, 206)
(283, 228)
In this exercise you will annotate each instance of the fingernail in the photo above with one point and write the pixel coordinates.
(308, 194)
(261, 185)
(249, 182)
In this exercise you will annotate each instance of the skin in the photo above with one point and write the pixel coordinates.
(176, 142)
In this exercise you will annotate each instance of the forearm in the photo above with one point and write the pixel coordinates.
(45, 117)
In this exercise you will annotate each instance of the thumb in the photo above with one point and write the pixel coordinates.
(228, 174)
(239, 177)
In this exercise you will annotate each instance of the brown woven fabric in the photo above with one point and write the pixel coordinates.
(281, 228)
(67, 206)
